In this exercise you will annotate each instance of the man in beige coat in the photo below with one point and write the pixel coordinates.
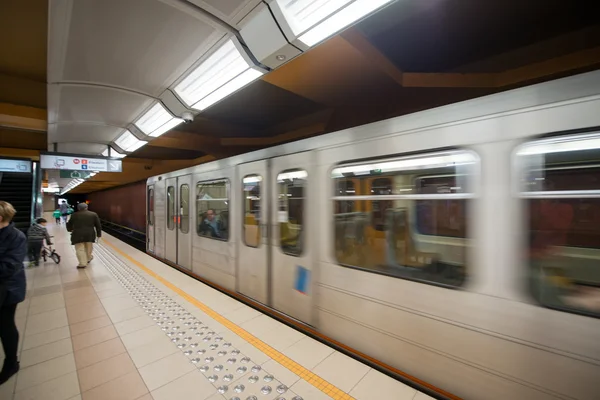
(85, 227)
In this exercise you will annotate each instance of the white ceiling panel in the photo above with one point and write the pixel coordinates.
(83, 133)
(80, 148)
(230, 11)
(142, 45)
(98, 104)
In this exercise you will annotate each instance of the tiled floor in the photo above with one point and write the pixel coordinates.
(112, 331)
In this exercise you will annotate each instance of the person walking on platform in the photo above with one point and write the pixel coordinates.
(64, 210)
(85, 227)
(35, 239)
(56, 215)
(13, 248)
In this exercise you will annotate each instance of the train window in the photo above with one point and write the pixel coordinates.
(212, 207)
(251, 195)
(184, 208)
(560, 183)
(150, 206)
(292, 184)
(345, 187)
(390, 216)
(171, 208)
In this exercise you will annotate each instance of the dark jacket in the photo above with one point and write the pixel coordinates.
(37, 233)
(85, 226)
(13, 248)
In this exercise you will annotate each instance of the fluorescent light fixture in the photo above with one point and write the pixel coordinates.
(239, 82)
(252, 179)
(314, 21)
(113, 153)
(157, 121)
(577, 143)
(128, 142)
(222, 73)
(290, 176)
(51, 190)
(441, 160)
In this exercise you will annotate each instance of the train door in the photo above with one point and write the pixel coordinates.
(160, 221)
(254, 255)
(150, 219)
(292, 180)
(184, 222)
(171, 219)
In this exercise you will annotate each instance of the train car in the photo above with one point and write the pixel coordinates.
(460, 245)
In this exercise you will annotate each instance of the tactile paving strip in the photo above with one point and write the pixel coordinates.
(234, 375)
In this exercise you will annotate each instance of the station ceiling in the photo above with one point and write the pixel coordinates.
(413, 55)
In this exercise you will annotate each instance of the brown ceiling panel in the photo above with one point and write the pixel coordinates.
(23, 37)
(261, 105)
(447, 34)
(165, 153)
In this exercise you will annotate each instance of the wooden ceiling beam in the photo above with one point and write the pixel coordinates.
(23, 117)
(357, 40)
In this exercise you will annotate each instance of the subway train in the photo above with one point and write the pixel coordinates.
(460, 245)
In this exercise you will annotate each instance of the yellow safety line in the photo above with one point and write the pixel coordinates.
(310, 377)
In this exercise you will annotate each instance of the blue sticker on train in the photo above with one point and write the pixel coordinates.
(302, 279)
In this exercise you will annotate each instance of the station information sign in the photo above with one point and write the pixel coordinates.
(79, 163)
(13, 165)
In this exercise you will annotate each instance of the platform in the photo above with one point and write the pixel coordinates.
(130, 327)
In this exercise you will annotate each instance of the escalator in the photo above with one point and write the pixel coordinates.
(17, 189)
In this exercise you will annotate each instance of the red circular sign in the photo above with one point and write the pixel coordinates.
(75, 161)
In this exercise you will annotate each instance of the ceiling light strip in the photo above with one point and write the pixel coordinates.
(157, 121)
(311, 22)
(225, 71)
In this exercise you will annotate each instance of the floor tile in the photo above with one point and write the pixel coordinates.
(308, 352)
(142, 337)
(82, 313)
(77, 284)
(47, 290)
(309, 392)
(147, 396)
(242, 315)
(46, 321)
(99, 352)
(90, 325)
(8, 388)
(48, 305)
(86, 298)
(61, 388)
(283, 374)
(134, 324)
(93, 337)
(376, 385)
(341, 371)
(190, 386)
(48, 298)
(46, 371)
(79, 292)
(123, 315)
(163, 371)
(422, 396)
(105, 371)
(126, 387)
(45, 352)
(39, 339)
(153, 351)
